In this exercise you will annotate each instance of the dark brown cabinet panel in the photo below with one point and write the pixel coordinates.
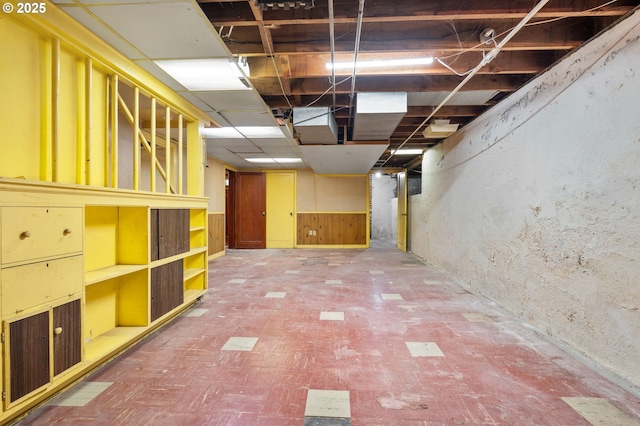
(167, 289)
(67, 349)
(169, 232)
(29, 354)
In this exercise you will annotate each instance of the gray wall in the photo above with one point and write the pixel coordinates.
(383, 225)
(537, 203)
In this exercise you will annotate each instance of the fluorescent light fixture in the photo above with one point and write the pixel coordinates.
(274, 160)
(260, 132)
(222, 132)
(288, 160)
(205, 74)
(260, 160)
(382, 63)
(409, 151)
(240, 132)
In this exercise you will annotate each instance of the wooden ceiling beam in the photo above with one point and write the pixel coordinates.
(235, 17)
(312, 66)
(310, 89)
(423, 111)
(265, 33)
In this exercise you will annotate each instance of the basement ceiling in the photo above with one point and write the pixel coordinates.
(287, 46)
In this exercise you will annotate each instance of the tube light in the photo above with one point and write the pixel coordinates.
(274, 160)
(410, 151)
(383, 63)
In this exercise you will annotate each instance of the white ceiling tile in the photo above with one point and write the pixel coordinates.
(280, 151)
(229, 142)
(281, 142)
(177, 29)
(217, 118)
(244, 149)
(342, 159)
(217, 150)
(237, 118)
(196, 101)
(154, 70)
(233, 100)
(108, 35)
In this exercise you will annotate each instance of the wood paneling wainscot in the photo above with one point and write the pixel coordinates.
(332, 229)
(216, 234)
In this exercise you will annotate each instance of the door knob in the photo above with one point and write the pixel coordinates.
(25, 234)
(264, 213)
(57, 330)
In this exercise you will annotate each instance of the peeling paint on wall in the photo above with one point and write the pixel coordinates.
(536, 203)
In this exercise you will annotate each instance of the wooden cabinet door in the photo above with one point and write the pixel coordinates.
(169, 232)
(251, 210)
(28, 355)
(167, 288)
(67, 350)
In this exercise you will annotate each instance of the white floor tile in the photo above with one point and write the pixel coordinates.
(432, 282)
(376, 272)
(276, 294)
(599, 411)
(238, 281)
(261, 263)
(334, 282)
(424, 349)
(291, 272)
(195, 312)
(332, 316)
(391, 296)
(328, 403)
(240, 344)
(81, 395)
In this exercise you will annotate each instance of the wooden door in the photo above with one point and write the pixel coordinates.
(230, 209)
(28, 354)
(251, 211)
(402, 210)
(67, 348)
(281, 215)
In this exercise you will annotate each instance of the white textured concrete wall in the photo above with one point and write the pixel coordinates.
(382, 192)
(537, 203)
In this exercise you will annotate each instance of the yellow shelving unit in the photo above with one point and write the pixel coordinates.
(82, 172)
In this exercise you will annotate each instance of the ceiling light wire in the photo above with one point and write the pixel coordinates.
(485, 60)
(275, 67)
(530, 24)
(356, 49)
(327, 91)
(333, 51)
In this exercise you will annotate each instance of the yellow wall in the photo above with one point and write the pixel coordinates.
(57, 104)
(21, 91)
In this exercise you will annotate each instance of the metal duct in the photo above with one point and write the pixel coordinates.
(378, 114)
(315, 126)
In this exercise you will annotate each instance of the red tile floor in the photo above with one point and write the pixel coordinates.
(398, 340)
